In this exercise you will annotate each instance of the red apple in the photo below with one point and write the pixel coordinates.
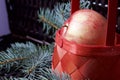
(87, 27)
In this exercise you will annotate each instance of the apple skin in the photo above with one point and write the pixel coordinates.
(86, 27)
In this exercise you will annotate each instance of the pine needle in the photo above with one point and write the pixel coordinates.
(48, 22)
(11, 60)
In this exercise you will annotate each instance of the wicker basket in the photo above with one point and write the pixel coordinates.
(85, 62)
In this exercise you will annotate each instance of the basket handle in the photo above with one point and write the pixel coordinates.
(75, 5)
(112, 19)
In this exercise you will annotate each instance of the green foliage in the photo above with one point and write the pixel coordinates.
(53, 75)
(53, 19)
(27, 61)
(16, 54)
(34, 66)
(11, 78)
(84, 4)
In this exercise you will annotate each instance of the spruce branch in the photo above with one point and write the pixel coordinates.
(11, 60)
(62, 12)
(38, 63)
(43, 19)
(12, 78)
(36, 67)
(55, 18)
(18, 53)
(84, 4)
(54, 75)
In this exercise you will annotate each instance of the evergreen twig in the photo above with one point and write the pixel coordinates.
(55, 18)
(48, 22)
(36, 67)
(17, 53)
(11, 60)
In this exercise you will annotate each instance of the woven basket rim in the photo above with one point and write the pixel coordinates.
(87, 50)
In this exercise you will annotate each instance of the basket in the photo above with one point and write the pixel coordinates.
(85, 62)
